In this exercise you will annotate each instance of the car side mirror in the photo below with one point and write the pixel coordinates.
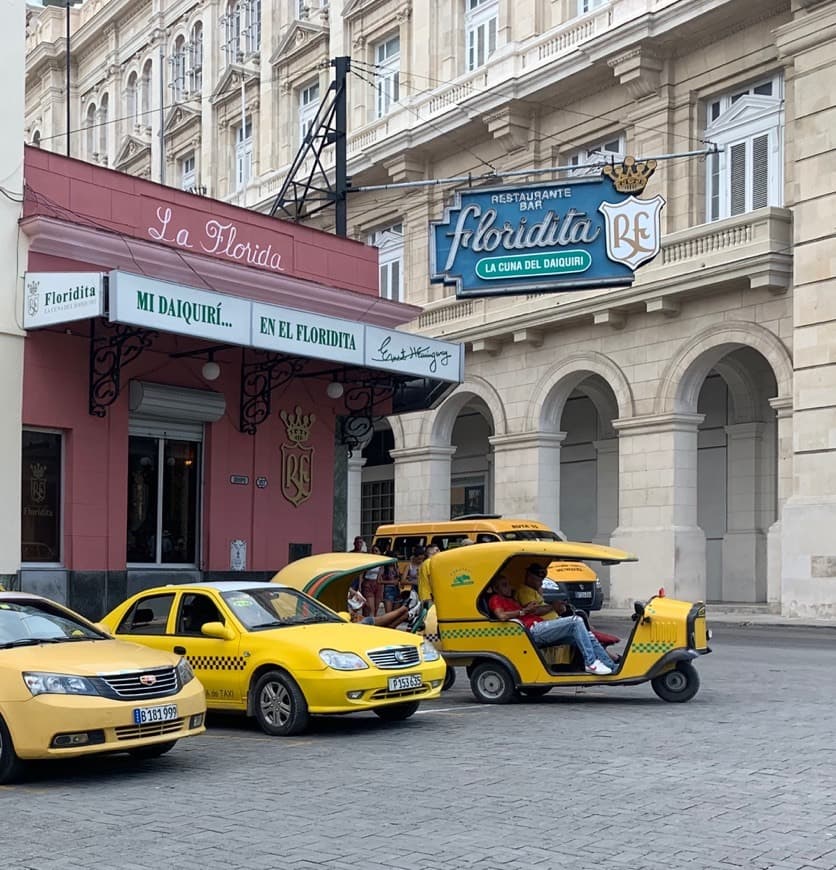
(102, 628)
(344, 616)
(217, 630)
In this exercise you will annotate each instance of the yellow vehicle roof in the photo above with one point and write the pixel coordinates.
(487, 524)
(328, 576)
(458, 577)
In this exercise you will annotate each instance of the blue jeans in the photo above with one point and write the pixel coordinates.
(571, 629)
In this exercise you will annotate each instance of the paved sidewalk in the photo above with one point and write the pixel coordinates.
(744, 614)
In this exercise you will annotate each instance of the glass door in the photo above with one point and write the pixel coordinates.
(163, 501)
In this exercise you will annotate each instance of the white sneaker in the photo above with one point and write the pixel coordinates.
(598, 668)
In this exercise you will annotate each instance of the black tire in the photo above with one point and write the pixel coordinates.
(397, 712)
(10, 764)
(491, 683)
(280, 707)
(449, 678)
(154, 751)
(678, 685)
(535, 691)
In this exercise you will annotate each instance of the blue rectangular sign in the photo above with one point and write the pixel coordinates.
(544, 237)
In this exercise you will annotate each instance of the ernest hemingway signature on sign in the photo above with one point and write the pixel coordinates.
(434, 358)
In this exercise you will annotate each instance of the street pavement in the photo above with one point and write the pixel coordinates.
(743, 776)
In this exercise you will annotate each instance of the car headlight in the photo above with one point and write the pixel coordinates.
(342, 661)
(429, 652)
(184, 671)
(57, 684)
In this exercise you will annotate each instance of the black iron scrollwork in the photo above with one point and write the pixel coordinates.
(361, 401)
(109, 351)
(259, 378)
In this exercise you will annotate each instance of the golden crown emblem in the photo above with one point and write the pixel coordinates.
(298, 425)
(38, 471)
(631, 176)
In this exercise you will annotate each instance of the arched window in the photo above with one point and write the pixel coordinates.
(253, 29)
(231, 22)
(178, 69)
(196, 59)
(104, 126)
(36, 138)
(90, 131)
(131, 103)
(145, 104)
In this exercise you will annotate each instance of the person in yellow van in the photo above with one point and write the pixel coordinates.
(425, 582)
(530, 596)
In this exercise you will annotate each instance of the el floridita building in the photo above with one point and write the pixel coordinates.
(690, 417)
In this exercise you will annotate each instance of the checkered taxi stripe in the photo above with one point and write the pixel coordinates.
(504, 630)
(217, 663)
(655, 647)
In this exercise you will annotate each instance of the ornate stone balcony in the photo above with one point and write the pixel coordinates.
(753, 250)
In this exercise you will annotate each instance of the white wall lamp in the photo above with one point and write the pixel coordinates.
(211, 370)
(334, 390)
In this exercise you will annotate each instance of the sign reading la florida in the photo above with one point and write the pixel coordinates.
(567, 235)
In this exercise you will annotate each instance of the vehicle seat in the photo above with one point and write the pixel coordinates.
(196, 614)
(142, 616)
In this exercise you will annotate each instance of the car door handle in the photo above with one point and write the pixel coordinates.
(180, 650)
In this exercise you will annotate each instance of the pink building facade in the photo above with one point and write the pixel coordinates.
(194, 377)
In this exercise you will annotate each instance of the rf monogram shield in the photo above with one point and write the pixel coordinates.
(297, 470)
(633, 229)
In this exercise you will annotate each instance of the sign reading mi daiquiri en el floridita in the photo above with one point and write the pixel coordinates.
(566, 235)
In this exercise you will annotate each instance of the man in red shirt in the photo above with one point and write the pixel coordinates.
(545, 632)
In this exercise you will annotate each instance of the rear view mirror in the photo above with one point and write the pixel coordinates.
(217, 630)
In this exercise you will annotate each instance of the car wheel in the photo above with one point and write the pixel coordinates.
(154, 751)
(449, 678)
(397, 712)
(491, 683)
(10, 764)
(535, 691)
(678, 685)
(280, 706)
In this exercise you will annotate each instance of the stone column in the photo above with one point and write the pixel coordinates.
(658, 509)
(744, 544)
(808, 546)
(422, 483)
(526, 469)
(606, 482)
(783, 487)
(354, 491)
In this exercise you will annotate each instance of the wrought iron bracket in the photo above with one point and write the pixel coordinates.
(259, 379)
(116, 347)
(362, 402)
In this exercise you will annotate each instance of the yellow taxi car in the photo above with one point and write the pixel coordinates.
(68, 689)
(274, 653)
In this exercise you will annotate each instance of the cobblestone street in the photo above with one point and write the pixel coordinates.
(742, 776)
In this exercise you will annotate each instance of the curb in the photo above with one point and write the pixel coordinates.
(741, 618)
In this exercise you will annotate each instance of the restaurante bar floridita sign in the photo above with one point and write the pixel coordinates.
(567, 235)
(168, 307)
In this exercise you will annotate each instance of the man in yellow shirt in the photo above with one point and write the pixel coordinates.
(425, 585)
(530, 596)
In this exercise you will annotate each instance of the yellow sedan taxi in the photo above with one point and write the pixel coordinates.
(68, 689)
(273, 652)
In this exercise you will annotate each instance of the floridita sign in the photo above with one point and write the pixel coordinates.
(559, 236)
(168, 307)
(61, 297)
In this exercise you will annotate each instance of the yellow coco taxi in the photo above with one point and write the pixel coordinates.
(68, 689)
(273, 652)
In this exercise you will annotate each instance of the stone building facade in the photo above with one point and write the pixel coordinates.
(691, 417)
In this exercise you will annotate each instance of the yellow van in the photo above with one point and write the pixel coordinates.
(570, 580)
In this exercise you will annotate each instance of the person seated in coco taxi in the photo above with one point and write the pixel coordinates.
(396, 618)
(549, 632)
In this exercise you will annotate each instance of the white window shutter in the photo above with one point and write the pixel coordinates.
(760, 171)
(737, 178)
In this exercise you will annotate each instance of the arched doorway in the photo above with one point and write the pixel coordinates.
(471, 472)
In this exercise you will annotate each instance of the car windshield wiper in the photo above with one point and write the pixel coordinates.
(76, 638)
(273, 623)
(29, 641)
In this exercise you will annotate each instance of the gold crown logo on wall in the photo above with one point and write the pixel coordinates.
(298, 425)
(631, 176)
(38, 471)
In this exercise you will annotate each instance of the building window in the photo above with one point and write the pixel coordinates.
(243, 154)
(481, 23)
(377, 506)
(467, 497)
(131, 104)
(593, 156)
(147, 99)
(231, 27)
(748, 172)
(103, 119)
(163, 499)
(178, 69)
(252, 30)
(388, 67)
(585, 6)
(90, 132)
(390, 246)
(36, 139)
(196, 60)
(188, 175)
(41, 497)
(308, 106)
(301, 10)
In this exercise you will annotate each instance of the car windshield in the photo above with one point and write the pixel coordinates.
(31, 622)
(531, 535)
(262, 608)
